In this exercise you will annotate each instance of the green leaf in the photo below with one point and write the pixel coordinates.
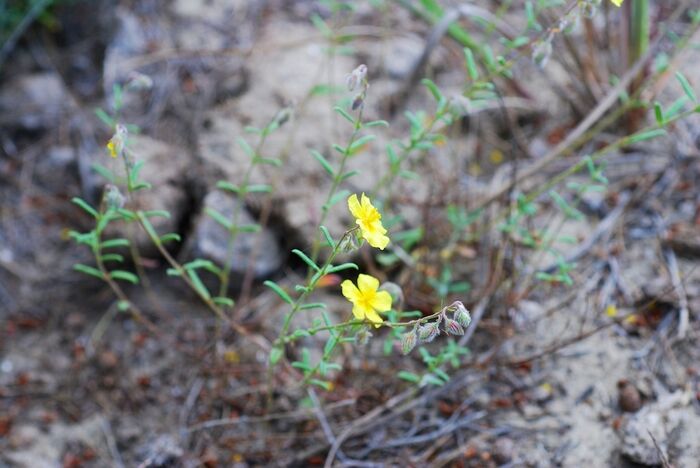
(198, 285)
(227, 186)
(377, 123)
(259, 188)
(219, 218)
(88, 270)
(659, 114)
(104, 172)
(269, 161)
(172, 236)
(149, 228)
(249, 228)
(279, 291)
(245, 147)
(327, 236)
(125, 276)
(434, 90)
(359, 144)
(321, 25)
(637, 137)
(313, 305)
(104, 117)
(224, 301)
(111, 243)
(408, 376)
(343, 266)
(344, 114)
(327, 386)
(112, 257)
(471, 64)
(85, 206)
(306, 259)
(275, 355)
(341, 195)
(324, 162)
(687, 88)
(156, 214)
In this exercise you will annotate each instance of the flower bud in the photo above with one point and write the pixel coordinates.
(452, 327)
(356, 77)
(138, 81)
(363, 336)
(349, 243)
(408, 341)
(358, 101)
(461, 314)
(428, 332)
(113, 198)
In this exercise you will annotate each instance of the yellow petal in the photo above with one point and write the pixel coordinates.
(382, 301)
(354, 206)
(350, 291)
(366, 203)
(111, 148)
(376, 239)
(367, 284)
(374, 317)
(617, 3)
(360, 312)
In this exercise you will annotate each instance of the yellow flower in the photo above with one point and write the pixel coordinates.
(617, 3)
(366, 300)
(112, 148)
(369, 220)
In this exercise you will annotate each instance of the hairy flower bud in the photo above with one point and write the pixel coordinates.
(138, 81)
(349, 243)
(462, 315)
(113, 198)
(363, 336)
(452, 327)
(408, 341)
(428, 332)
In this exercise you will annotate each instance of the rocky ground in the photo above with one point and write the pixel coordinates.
(602, 373)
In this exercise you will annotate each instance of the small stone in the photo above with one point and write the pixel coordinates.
(628, 397)
(502, 450)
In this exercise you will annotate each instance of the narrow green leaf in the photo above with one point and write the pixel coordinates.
(377, 123)
(279, 291)
(227, 186)
(687, 88)
(88, 270)
(259, 188)
(249, 228)
(327, 236)
(224, 301)
(85, 206)
(150, 230)
(434, 90)
(344, 114)
(324, 162)
(327, 386)
(341, 195)
(342, 267)
(245, 147)
(636, 138)
(104, 117)
(275, 355)
(156, 214)
(104, 172)
(111, 243)
(172, 236)
(471, 64)
(219, 218)
(112, 257)
(198, 284)
(306, 259)
(659, 114)
(125, 276)
(313, 305)
(359, 144)
(408, 376)
(349, 174)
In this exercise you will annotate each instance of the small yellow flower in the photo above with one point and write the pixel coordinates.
(369, 220)
(112, 148)
(366, 300)
(617, 3)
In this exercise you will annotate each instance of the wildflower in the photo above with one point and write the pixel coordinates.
(617, 3)
(369, 220)
(365, 298)
(117, 143)
(357, 77)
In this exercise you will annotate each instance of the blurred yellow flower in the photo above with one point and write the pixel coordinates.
(617, 3)
(369, 220)
(366, 300)
(112, 148)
